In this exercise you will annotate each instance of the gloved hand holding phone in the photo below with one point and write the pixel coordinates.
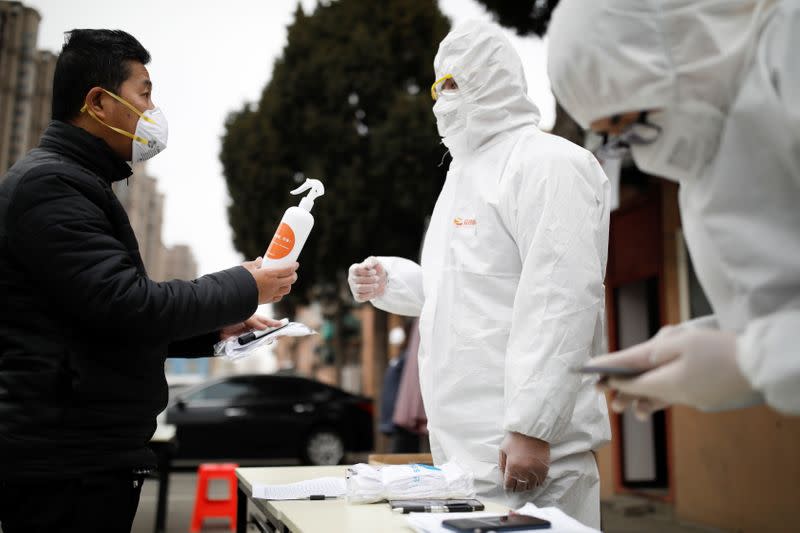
(694, 367)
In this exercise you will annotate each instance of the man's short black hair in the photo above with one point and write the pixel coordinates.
(92, 58)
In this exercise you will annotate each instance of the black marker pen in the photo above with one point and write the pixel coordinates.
(251, 336)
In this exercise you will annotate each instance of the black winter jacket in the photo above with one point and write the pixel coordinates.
(83, 331)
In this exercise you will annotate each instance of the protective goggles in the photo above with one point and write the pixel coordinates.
(438, 86)
(606, 146)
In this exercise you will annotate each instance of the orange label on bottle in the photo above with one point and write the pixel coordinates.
(282, 243)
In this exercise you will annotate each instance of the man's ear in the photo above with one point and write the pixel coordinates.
(94, 102)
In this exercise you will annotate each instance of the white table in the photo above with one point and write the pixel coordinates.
(306, 516)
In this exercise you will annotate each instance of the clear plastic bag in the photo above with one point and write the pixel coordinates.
(234, 348)
(369, 484)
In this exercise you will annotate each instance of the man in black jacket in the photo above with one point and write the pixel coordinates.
(83, 331)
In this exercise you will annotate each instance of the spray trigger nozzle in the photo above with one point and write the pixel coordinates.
(316, 189)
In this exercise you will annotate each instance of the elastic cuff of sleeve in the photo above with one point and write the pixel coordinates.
(248, 290)
(545, 428)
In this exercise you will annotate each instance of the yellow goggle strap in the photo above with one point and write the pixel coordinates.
(434, 91)
(119, 130)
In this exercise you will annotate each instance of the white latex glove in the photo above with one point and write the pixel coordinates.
(367, 279)
(696, 367)
(524, 462)
(643, 408)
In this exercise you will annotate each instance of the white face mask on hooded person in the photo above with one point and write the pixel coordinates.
(152, 131)
(491, 96)
(450, 113)
(672, 65)
(686, 144)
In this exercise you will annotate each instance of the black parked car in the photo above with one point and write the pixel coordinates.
(270, 416)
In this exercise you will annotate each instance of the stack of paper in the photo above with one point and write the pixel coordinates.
(323, 487)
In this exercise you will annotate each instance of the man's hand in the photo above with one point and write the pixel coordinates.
(273, 283)
(524, 462)
(254, 322)
(367, 279)
(695, 367)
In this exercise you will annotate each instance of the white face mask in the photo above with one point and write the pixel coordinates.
(449, 111)
(688, 142)
(152, 131)
(152, 128)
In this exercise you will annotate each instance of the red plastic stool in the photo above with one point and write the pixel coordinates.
(207, 508)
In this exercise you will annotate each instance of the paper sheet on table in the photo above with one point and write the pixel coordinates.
(560, 522)
(331, 487)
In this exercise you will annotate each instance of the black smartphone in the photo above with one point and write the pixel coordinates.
(611, 371)
(514, 522)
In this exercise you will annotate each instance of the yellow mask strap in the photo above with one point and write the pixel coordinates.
(119, 130)
(434, 92)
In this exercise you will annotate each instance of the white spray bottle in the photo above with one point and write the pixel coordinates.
(295, 226)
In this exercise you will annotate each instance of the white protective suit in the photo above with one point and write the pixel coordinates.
(510, 291)
(727, 77)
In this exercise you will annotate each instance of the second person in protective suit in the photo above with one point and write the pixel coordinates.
(707, 94)
(510, 287)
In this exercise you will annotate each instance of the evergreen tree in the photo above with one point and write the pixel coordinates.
(348, 103)
(525, 16)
